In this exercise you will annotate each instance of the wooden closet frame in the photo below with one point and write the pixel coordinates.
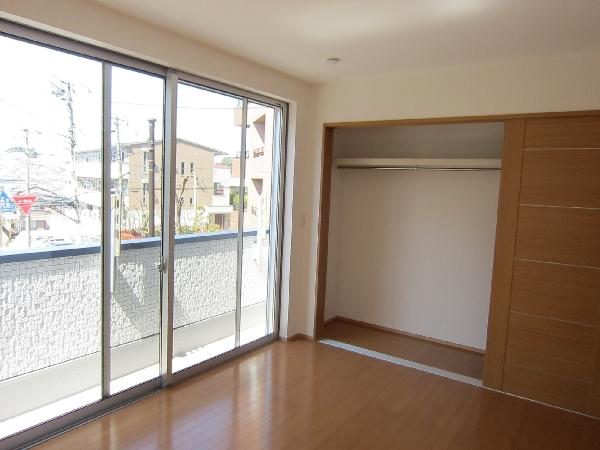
(504, 248)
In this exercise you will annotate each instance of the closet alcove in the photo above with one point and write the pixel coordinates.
(411, 241)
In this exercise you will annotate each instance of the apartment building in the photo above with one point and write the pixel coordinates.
(258, 166)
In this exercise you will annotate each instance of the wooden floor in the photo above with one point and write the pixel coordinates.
(432, 354)
(303, 395)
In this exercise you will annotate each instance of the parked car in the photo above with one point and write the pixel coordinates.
(58, 242)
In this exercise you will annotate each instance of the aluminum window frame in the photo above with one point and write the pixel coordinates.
(109, 58)
(106, 232)
(241, 214)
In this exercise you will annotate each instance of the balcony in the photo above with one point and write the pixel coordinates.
(50, 318)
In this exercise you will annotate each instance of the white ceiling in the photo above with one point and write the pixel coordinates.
(374, 36)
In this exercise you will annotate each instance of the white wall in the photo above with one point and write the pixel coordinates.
(415, 251)
(565, 83)
(95, 24)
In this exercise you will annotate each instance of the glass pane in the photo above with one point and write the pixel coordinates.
(257, 307)
(206, 218)
(50, 228)
(136, 191)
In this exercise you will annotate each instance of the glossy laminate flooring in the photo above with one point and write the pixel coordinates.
(305, 395)
(432, 354)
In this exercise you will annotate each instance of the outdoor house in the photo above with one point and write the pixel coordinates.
(131, 173)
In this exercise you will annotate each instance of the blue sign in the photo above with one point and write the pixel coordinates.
(6, 205)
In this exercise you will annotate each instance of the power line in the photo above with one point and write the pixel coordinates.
(80, 130)
(187, 107)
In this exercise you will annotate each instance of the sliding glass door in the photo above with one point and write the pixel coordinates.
(140, 229)
(50, 233)
(78, 243)
(225, 209)
(208, 140)
(136, 121)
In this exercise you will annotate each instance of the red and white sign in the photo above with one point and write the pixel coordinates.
(24, 202)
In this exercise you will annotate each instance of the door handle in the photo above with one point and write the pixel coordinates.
(161, 266)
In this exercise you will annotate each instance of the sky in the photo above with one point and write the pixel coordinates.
(32, 73)
(27, 102)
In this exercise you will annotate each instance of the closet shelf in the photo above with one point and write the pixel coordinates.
(419, 163)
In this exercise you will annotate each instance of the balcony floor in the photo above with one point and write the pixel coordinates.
(72, 402)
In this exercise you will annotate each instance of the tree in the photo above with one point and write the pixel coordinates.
(179, 203)
(235, 201)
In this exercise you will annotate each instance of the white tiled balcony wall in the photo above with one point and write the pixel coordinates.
(50, 308)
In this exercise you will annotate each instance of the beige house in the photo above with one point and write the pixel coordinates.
(194, 181)
(130, 170)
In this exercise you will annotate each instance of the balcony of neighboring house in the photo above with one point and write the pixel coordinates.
(222, 181)
(51, 317)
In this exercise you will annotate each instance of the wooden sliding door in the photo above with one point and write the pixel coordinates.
(544, 331)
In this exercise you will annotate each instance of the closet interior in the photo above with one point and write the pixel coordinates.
(411, 241)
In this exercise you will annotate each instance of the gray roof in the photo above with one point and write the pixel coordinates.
(159, 142)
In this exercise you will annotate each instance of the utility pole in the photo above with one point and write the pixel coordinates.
(151, 152)
(117, 122)
(28, 216)
(64, 91)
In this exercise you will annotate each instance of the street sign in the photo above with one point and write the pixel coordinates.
(24, 202)
(6, 205)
